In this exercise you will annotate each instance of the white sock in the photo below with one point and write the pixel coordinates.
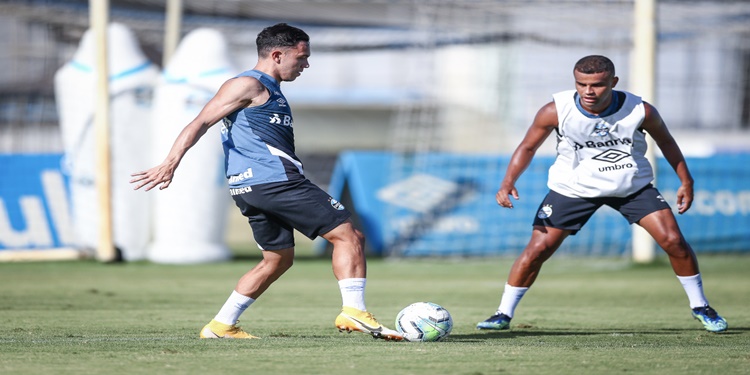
(233, 308)
(511, 297)
(693, 286)
(353, 292)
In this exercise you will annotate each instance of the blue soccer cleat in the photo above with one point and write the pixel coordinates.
(496, 322)
(711, 320)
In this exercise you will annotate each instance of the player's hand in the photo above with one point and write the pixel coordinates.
(161, 176)
(502, 196)
(684, 198)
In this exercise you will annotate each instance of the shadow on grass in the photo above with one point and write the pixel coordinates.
(486, 335)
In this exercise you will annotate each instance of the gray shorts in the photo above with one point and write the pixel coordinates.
(275, 209)
(559, 211)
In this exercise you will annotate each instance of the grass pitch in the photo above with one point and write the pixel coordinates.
(583, 316)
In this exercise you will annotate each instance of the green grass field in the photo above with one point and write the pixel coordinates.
(583, 316)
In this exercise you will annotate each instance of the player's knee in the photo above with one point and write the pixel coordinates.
(674, 242)
(353, 234)
(351, 238)
(535, 255)
(286, 264)
(359, 237)
(345, 234)
(281, 264)
(541, 248)
(676, 247)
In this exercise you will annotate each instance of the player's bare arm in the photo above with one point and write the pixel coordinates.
(654, 125)
(234, 94)
(544, 123)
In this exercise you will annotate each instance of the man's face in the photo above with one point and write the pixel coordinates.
(294, 61)
(595, 90)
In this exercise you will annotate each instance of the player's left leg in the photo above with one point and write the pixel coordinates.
(310, 210)
(350, 269)
(663, 227)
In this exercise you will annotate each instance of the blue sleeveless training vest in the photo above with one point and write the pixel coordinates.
(259, 141)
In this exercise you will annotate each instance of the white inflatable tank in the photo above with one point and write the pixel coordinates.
(190, 216)
(131, 80)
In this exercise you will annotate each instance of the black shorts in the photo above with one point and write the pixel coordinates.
(559, 211)
(275, 209)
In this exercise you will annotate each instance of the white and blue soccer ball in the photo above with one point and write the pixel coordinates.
(424, 321)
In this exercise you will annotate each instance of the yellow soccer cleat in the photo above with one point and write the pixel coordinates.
(352, 319)
(216, 330)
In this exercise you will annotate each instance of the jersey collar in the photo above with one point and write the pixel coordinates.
(614, 106)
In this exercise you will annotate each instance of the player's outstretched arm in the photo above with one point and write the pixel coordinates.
(544, 123)
(654, 125)
(162, 174)
(234, 94)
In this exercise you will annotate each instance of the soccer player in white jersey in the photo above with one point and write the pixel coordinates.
(600, 161)
(267, 182)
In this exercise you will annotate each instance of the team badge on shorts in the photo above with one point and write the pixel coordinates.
(545, 211)
(336, 204)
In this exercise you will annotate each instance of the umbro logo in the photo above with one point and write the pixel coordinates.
(611, 156)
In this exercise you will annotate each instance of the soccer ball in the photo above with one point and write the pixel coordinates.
(424, 321)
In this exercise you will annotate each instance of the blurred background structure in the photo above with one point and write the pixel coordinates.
(413, 76)
(493, 62)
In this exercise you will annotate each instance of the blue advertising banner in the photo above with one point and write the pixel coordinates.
(444, 205)
(719, 219)
(425, 205)
(34, 203)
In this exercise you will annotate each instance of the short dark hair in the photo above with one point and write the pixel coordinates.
(279, 35)
(595, 64)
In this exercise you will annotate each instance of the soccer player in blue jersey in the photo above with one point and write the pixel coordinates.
(600, 160)
(267, 183)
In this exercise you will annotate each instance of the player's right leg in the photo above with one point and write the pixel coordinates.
(498, 321)
(218, 330)
(250, 286)
(544, 242)
(276, 241)
(711, 320)
(551, 227)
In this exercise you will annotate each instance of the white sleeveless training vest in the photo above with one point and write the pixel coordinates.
(599, 156)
